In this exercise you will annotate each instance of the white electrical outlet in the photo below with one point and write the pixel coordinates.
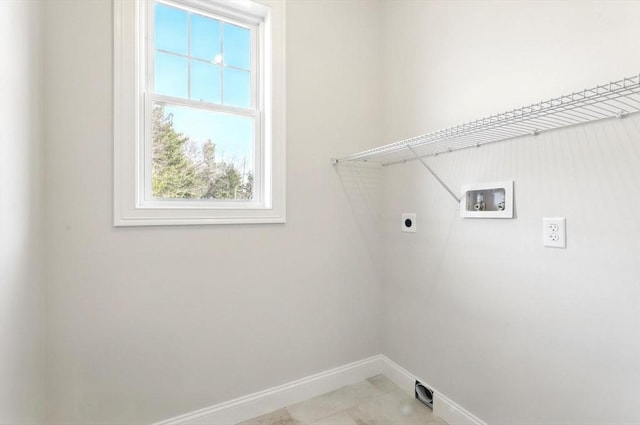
(554, 232)
(409, 222)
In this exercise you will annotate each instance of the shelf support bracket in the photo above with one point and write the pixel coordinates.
(443, 184)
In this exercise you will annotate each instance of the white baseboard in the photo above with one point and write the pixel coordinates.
(250, 406)
(400, 376)
(443, 407)
(244, 408)
(452, 413)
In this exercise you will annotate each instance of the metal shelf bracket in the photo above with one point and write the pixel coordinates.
(433, 173)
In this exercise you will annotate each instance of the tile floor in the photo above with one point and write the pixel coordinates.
(375, 401)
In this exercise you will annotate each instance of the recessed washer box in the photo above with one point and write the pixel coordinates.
(487, 200)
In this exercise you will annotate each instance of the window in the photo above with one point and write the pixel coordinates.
(198, 112)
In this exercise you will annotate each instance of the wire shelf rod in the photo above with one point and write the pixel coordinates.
(463, 147)
(616, 98)
(600, 109)
(454, 148)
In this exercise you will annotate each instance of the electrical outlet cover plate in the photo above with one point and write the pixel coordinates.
(409, 222)
(554, 232)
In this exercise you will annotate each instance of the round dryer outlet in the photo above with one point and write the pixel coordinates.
(409, 222)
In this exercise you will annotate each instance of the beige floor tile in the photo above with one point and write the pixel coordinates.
(394, 408)
(383, 383)
(375, 401)
(279, 417)
(342, 418)
(329, 404)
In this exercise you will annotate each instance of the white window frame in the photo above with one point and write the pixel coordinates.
(132, 204)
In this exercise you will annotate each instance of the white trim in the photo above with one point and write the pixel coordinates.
(262, 402)
(405, 380)
(250, 406)
(452, 413)
(250, 12)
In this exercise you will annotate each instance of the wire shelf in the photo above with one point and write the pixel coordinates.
(615, 99)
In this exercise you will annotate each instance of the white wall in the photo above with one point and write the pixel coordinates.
(147, 323)
(21, 292)
(514, 332)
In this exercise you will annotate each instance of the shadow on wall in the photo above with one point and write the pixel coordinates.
(362, 184)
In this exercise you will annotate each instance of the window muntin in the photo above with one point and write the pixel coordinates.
(203, 138)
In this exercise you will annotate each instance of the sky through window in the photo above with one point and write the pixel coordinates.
(204, 59)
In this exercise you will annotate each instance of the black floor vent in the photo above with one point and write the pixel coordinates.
(424, 394)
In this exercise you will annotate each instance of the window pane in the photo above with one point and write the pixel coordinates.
(170, 75)
(205, 82)
(237, 46)
(237, 88)
(200, 154)
(205, 37)
(170, 29)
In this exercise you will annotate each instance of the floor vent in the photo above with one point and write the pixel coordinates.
(424, 394)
